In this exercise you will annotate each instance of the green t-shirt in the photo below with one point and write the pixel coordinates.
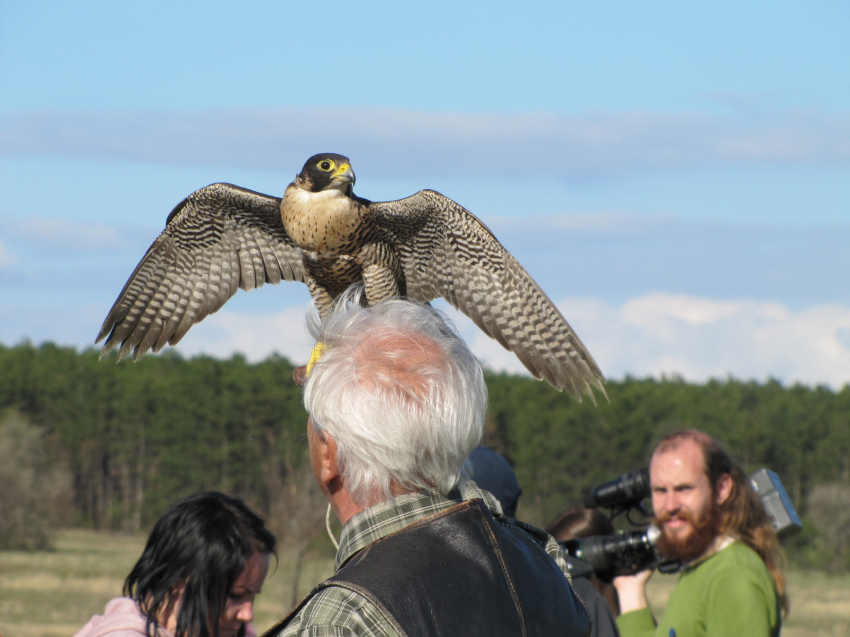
(729, 594)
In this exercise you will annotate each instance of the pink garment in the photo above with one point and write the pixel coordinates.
(122, 618)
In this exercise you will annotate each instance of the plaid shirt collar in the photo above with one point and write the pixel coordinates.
(392, 515)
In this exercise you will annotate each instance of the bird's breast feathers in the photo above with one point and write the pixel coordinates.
(325, 221)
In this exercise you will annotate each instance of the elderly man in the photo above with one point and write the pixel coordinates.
(713, 522)
(396, 403)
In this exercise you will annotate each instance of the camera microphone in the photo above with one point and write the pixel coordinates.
(627, 490)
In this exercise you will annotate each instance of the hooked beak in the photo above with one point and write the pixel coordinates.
(345, 175)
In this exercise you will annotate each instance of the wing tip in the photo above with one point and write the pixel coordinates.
(577, 383)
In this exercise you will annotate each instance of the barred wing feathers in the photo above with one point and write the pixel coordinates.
(217, 240)
(446, 251)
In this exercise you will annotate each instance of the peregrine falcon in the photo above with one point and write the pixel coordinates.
(223, 237)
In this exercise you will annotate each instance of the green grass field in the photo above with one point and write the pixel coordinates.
(54, 593)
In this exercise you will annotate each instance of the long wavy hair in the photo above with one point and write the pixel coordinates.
(742, 515)
(202, 543)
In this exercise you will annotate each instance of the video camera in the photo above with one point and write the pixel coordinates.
(623, 553)
(628, 552)
(627, 490)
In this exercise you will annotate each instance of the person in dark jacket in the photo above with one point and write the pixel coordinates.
(492, 473)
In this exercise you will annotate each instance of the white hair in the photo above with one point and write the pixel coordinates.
(400, 393)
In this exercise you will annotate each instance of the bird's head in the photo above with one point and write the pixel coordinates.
(326, 171)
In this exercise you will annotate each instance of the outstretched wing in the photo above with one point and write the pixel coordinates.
(220, 238)
(446, 251)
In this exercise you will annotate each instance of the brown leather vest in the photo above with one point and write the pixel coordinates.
(460, 573)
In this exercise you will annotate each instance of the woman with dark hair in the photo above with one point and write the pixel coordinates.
(205, 561)
(582, 522)
(595, 590)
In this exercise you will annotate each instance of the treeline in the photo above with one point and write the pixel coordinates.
(132, 438)
(136, 437)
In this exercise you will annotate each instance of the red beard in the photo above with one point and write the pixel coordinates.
(694, 544)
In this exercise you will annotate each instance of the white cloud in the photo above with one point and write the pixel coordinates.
(68, 234)
(653, 335)
(661, 314)
(6, 257)
(591, 222)
(404, 144)
(48, 249)
(700, 338)
(255, 335)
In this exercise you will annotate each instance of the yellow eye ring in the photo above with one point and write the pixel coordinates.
(326, 165)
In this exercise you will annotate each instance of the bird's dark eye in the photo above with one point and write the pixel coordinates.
(326, 165)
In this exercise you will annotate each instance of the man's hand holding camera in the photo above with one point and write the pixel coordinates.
(631, 589)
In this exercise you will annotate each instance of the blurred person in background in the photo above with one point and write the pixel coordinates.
(595, 589)
(582, 522)
(204, 562)
(492, 473)
(713, 522)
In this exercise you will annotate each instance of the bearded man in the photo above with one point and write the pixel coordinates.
(713, 523)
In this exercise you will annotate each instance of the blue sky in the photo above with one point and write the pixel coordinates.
(675, 175)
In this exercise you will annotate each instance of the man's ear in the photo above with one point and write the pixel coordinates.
(724, 488)
(328, 456)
